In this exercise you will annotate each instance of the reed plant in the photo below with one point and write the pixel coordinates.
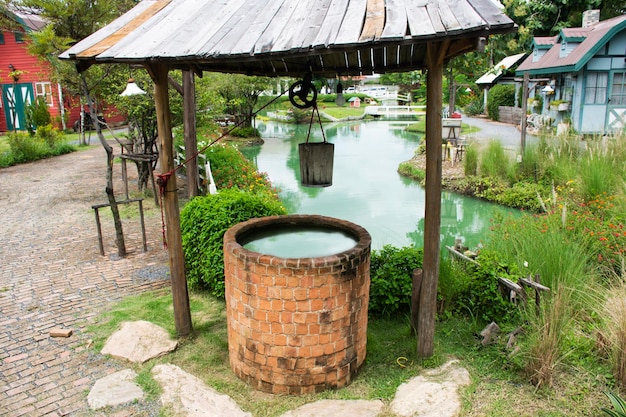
(495, 163)
(614, 314)
(470, 164)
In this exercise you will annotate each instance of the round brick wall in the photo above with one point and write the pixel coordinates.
(296, 325)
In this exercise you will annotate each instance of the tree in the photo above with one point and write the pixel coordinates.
(70, 21)
(240, 93)
(407, 82)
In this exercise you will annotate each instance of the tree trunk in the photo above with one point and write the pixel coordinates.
(119, 233)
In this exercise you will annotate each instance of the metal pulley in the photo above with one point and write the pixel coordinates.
(302, 94)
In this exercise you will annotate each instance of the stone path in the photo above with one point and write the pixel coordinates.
(53, 276)
(432, 394)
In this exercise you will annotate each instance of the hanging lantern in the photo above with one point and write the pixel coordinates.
(132, 89)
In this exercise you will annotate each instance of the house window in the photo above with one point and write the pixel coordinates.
(1, 38)
(595, 89)
(44, 90)
(618, 89)
(19, 37)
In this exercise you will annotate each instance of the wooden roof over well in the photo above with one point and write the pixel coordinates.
(291, 37)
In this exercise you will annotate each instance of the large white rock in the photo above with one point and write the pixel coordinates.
(433, 394)
(338, 408)
(114, 389)
(191, 397)
(139, 341)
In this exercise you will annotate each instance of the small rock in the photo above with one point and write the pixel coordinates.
(338, 408)
(139, 341)
(433, 394)
(114, 389)
(57, 332)
(191, 397)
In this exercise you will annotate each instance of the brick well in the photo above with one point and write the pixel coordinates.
(296, 325)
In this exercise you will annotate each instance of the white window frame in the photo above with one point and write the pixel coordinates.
(44, 89)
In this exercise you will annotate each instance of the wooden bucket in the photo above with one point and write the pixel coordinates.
(316, 164)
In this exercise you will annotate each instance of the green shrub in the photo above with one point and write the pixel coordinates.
(37, 114)
(49, 134)
(245, 132)
(406, 169)
(231, 169)
(475, 107)
(499, 95)
(481, 297)
(204, 220)
(391, 272)
(25, 148)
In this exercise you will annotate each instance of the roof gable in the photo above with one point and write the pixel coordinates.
(495, 73)
(595, 38)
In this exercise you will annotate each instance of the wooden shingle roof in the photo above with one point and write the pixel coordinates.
(287, 37)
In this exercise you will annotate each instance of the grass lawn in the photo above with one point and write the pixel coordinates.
(341, 112)
(420, 127)
(498, 388)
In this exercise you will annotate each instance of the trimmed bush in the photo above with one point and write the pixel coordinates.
(204, 220)
(499, 95)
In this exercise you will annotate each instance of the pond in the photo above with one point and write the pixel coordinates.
(366, 189)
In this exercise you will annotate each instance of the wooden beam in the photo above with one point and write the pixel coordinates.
(189, 127)
(435, 54)
(182, 313)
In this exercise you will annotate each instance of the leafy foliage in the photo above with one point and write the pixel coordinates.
(37, 114)
(391, 271)
(481, 297)
(499, 95)
(204, 220)
(619, 405)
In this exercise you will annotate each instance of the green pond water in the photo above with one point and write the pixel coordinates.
(367, 190)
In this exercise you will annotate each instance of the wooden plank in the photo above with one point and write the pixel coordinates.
(418, 18)
(246, 45)
(464, 14)
(490, 13)
(332, 24)
(128, 30)
(535, 285)
(303, 27)
(441, 17)
(459, 255)
(108, 30)
(374, 21)
(266, 41)
(510, 285)
(151, 37)
(352, 23)
(395, 20)
(233, 30)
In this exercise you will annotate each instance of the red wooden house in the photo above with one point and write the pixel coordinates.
(24, 77)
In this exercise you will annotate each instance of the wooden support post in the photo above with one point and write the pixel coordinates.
(182, 313)
(428, 294)
(99, 227)
(191, 142)
(524, 108)
(415, 298)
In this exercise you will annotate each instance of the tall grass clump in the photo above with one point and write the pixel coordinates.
(470, 164)
(547, 333)
(614, 314)
(495, 163)
(598, 174)
(530, 166)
